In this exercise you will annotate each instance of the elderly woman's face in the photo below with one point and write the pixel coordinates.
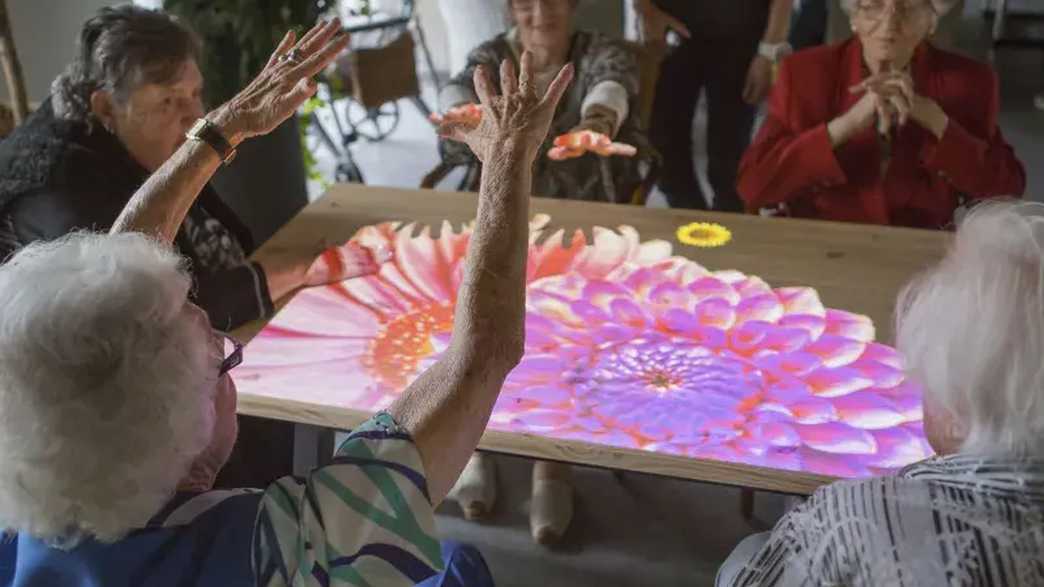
(543, 22)
(890, 30)
(153, 122)
(226, 425)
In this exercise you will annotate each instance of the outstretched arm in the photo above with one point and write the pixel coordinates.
(160, 205)
(447, 408)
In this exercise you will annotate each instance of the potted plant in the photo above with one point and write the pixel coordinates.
(266, 184)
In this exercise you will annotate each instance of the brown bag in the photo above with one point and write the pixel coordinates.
(376, 76)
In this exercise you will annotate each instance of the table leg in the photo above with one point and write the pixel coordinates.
(313, 447)
(747, 504)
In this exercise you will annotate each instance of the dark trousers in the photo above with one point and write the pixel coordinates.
(719, 67)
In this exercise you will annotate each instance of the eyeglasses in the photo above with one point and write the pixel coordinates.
(530, 5)
(232, 351)
(878, 9)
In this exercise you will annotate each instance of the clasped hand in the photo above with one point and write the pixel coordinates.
(889, 99)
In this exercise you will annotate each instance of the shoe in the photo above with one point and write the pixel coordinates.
(551, 510)
(476, 489)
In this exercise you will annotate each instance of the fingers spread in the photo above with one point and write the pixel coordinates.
(319, 36)
(454, 131)
(318, 61)
(622, 150)
(564, 153)
(525, 80)
(508, 78)
(558, 87)
(484, 86)
(282, 48)
(312, 32)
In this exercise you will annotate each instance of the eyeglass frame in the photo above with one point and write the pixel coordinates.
(862, 6)
(233, 359)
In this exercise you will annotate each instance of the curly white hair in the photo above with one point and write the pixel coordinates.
(105, 395)
(972, 330)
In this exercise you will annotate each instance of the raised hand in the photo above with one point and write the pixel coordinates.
(578, 143)
(467, 114)
(283, 85)
(516, 118)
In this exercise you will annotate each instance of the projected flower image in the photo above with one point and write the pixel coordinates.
(627, 346)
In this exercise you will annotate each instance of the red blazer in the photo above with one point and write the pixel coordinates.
(792, 161)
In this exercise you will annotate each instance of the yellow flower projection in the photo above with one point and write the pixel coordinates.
(704, 234)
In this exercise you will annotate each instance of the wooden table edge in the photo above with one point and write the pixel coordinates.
(568, 451)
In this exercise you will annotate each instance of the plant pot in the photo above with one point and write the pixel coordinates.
(265, 185)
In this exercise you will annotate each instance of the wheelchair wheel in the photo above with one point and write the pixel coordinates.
(374, 124)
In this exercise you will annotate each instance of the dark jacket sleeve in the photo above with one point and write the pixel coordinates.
(230, 297)
(233, 297)
(50, 213)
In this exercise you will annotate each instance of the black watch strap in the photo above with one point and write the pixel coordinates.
(208, 132)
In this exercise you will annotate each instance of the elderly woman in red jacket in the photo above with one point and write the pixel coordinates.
(881, 129)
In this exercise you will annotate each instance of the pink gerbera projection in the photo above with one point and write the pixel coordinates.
(627, 346)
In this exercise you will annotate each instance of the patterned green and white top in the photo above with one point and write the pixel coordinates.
(365, 519)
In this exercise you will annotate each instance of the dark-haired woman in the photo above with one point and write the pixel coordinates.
(120, 110)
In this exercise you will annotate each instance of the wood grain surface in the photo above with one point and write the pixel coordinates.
(857, 268)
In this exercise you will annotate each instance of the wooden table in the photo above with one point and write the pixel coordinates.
(854, 267)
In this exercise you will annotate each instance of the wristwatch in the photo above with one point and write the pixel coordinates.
(774, 52)
(207, 132)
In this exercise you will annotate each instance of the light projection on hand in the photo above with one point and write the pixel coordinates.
(627, 346)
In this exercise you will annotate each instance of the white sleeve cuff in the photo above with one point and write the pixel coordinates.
(612, 95)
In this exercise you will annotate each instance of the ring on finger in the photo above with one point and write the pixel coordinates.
(293, 56)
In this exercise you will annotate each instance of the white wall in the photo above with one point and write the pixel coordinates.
(45, 33)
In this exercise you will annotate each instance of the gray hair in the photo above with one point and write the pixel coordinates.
(972, 330)
(106, 394)
(121, 48)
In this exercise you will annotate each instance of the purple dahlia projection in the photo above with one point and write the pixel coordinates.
(627, 346)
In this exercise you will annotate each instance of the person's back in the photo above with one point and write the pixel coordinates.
(961, 520)
(200, 540)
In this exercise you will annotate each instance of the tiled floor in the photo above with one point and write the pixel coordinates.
(643, 530)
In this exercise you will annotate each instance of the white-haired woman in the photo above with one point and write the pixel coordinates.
(117, 409)
(972, 333)
(884, 128)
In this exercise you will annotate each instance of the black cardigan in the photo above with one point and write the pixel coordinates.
(56, 177)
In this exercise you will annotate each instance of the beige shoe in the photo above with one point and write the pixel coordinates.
(476, 489)
(551, 510)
